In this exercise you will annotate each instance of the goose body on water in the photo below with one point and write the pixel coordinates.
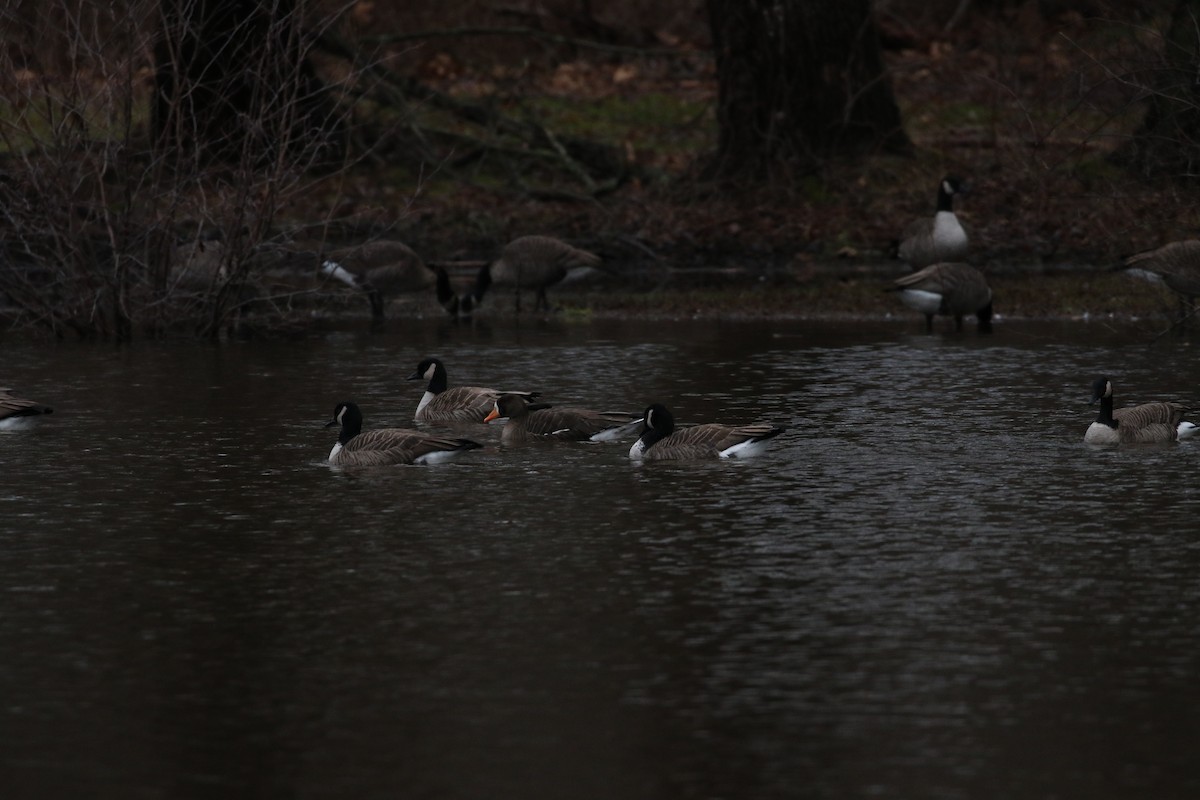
(951, 290)
(526, 422)
(661, 441)
(458, 404)
(17, 413)
(533, 262)
(1147, 423)
(938, 238)
(387, 446)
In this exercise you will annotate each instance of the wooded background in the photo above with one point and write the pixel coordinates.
(719, 131)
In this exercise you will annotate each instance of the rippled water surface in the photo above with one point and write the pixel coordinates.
(928, 587)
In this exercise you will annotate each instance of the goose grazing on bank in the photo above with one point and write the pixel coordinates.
(532, 422)
(387, 446)
(940, 237)
(17, 413)
(660, 441)
(1175, 265)
(1147, 423)
(460, 404)
(951, 290)
(533, 262)
(382, 268)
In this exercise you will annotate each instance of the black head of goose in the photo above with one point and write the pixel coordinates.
(940, 237)
(660, 441)
(17, 413)
(387, 446)
(950, 290)
(533, 262)
(526, 422)
(382, 269)
(460, 404)
(1147, 423)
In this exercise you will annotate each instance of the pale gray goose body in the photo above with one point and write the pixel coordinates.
(952, 290)
(661, 441)
(18, 413)
(526, 422)
(940, 237)
(1175, 265)
(533, 262)
(1147, 423)
(382, 268)
(458, 404)
(388, 446)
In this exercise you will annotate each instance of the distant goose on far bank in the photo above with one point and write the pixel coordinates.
(460, 404)
(1175, 265)
(940, 237)
(17, 413)
(382, 268)
(533, 262)
(532, 422)
(660, 441)
(387, 446)
(1147, 423)
(949, 290)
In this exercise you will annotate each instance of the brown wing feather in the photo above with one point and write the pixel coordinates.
(393, 446)
(13, 406)
(1146, 414)
(464, 404)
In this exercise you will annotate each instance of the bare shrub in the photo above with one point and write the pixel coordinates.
(137, 195)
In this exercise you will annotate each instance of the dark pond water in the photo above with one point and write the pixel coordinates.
(929, 587)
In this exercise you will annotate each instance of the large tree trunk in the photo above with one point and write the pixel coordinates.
(799, 81)
(1168, 143)
(232, 78)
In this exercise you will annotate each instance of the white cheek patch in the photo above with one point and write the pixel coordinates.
(429, 372)
(947, 188)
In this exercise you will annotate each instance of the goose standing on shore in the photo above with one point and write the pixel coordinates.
(1147, 423)
(387, 446)
(940, 237)
(660, 441)
(950, 290)
(17, 413)
(382, 268)
(1175, 265)
(527, 422)
(533, 262)
(460, 404)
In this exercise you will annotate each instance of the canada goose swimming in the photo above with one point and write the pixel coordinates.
(1175, 265)
(527, 422)
(660, 441)
(533, 262)
(950, 290)
(940, 237)
(462, 404)
(388, 445)
(382, 268)
(1142, 424)
(18, 413)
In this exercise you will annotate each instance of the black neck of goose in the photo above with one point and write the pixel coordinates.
(1105, 417)
(351, 427)
(984, 315)
(945, 201)
(650, 436)
(437, 383)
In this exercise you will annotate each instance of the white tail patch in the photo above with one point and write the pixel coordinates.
(1186, 430)
(336, 270)
(921, 300)
(745, 449)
